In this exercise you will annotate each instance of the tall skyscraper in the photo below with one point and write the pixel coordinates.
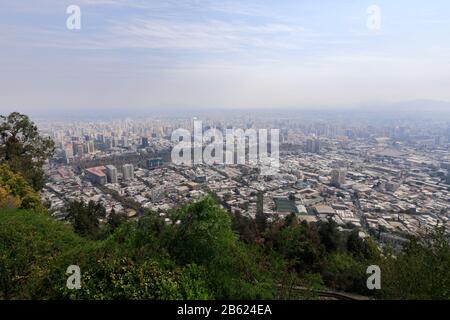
(128, 172)
(68, 152)
(111, 174)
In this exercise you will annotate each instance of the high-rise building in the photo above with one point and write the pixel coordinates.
(128, 172)
(313, 145)
(90, 146)
(337, 177)
(111, 174)
(145, 142)
(108, 142)
(78, 149)
(68, 152)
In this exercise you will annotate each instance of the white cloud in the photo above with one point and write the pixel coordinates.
(207, 35)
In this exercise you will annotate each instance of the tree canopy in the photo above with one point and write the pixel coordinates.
(85, 218)
(15, 192)
(200, 256)
(23, 148)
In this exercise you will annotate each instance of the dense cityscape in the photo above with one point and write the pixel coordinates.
(389, 180)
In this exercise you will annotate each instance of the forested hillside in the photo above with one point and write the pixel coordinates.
(203, 257)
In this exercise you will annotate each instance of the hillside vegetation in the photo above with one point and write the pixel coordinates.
(202, 257)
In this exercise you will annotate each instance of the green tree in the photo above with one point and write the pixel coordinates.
(245, 227)
(203, 236)
(300, 244)
(23, 148)
(362, 249)
(330, 236)
(35, 252)
(15, 192)
(115, 220)
(85, 218)
(420, 271)
(345, 273)
(30, 244)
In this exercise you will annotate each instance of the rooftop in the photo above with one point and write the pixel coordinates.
(98, 171)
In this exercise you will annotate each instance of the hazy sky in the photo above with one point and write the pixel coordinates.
(237, 54)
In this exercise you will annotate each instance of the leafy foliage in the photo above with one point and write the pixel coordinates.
(85, 218)
(200, 257)
(421, 271)
(144, 260)
(30, 244)
(203, 235)
(15, 192)
(23, 148)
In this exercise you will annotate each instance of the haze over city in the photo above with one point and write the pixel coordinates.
(228, 54)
